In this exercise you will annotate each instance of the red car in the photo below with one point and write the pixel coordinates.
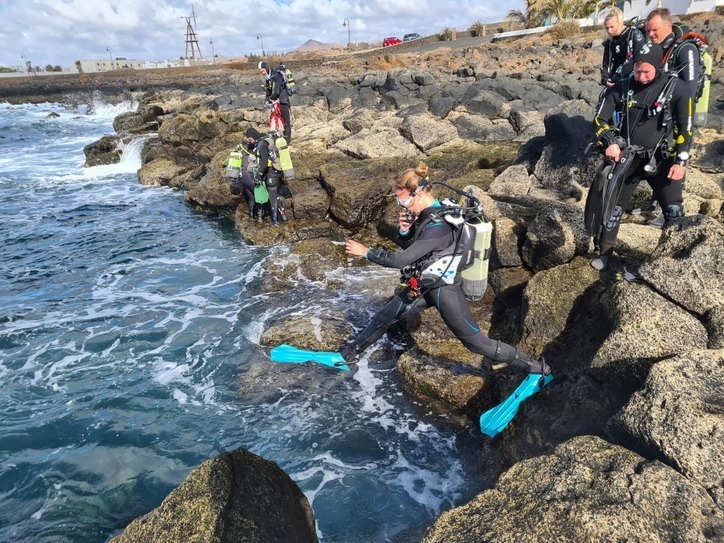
(391, 41)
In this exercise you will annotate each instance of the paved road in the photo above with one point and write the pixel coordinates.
(462, 43)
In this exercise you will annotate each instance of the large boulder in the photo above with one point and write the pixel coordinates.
(555, 236)
(563, 166)
(377, 143)
(678, 416)
(236, 497)
(104, 151)
(213, 191)
(358, 189)
(587, 490)
(456, 386)
(514, 181)
(187, 129)
(563, 317)
(426, 131)
(688, 264)
(646, 328)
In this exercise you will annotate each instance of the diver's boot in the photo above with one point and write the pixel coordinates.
(531, 364)
(260, 214)
(274, 215)
(282, 214)
(251, 211)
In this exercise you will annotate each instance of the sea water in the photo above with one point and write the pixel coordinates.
(129, 354)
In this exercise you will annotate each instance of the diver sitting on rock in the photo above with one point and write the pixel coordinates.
(430, 279)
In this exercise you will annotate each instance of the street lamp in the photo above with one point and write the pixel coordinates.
(213, 54)
(110, 55)
(261, 39)
(346, 23)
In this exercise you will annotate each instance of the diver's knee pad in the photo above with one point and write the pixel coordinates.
(673, 212)
(615, 218)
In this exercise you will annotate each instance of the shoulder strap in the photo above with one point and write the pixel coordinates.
(697, 40)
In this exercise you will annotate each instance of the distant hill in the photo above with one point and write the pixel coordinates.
(314, 45)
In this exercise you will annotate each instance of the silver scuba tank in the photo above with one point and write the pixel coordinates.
(475, 277)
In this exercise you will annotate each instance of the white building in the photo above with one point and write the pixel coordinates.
(641, 8)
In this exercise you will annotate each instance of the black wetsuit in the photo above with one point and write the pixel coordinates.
(684, 60)
(271, 176)
(276, 89)
(618, 54)
(429, 239)
(643, 125)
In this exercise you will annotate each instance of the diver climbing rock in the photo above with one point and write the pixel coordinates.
(429, 265)
(652, 143)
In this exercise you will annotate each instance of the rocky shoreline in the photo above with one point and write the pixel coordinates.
(629, 442)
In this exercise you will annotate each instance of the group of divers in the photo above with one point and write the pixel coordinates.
(643, 125)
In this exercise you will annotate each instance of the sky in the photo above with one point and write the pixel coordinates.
(59, 32)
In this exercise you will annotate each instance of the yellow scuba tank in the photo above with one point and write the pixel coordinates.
(284, 158)
(233, 167)
(475, 278)
(702, 104)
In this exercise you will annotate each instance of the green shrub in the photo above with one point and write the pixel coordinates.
(477, 29)
(564, 29)
(446, 34)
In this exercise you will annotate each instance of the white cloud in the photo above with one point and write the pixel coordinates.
(63, 31)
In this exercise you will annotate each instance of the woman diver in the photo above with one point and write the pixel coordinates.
(430, 264)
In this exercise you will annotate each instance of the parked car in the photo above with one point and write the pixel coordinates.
(410, 37)
(391, 41)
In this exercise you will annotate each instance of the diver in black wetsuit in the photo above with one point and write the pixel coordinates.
(277, 92)
(429, 238)
(651, 117)
(619, 47)
(267, 173)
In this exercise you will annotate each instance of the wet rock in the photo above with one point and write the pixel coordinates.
(587, 490)
(104, 151)
(457, 386)
(314, 330)
(237, 496)
(213, 190)
(677, 417)
(161, 171)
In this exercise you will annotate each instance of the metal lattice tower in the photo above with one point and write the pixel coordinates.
(192, 43)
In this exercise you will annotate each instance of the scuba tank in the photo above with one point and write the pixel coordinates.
(285, 159)
(702, 103)
(233, 167)
(475, 277)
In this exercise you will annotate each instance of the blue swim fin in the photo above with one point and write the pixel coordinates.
(494, 420)
(292, 355)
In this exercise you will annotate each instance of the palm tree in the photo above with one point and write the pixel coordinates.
(532, 16)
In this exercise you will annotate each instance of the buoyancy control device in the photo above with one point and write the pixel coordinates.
(470, 255)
